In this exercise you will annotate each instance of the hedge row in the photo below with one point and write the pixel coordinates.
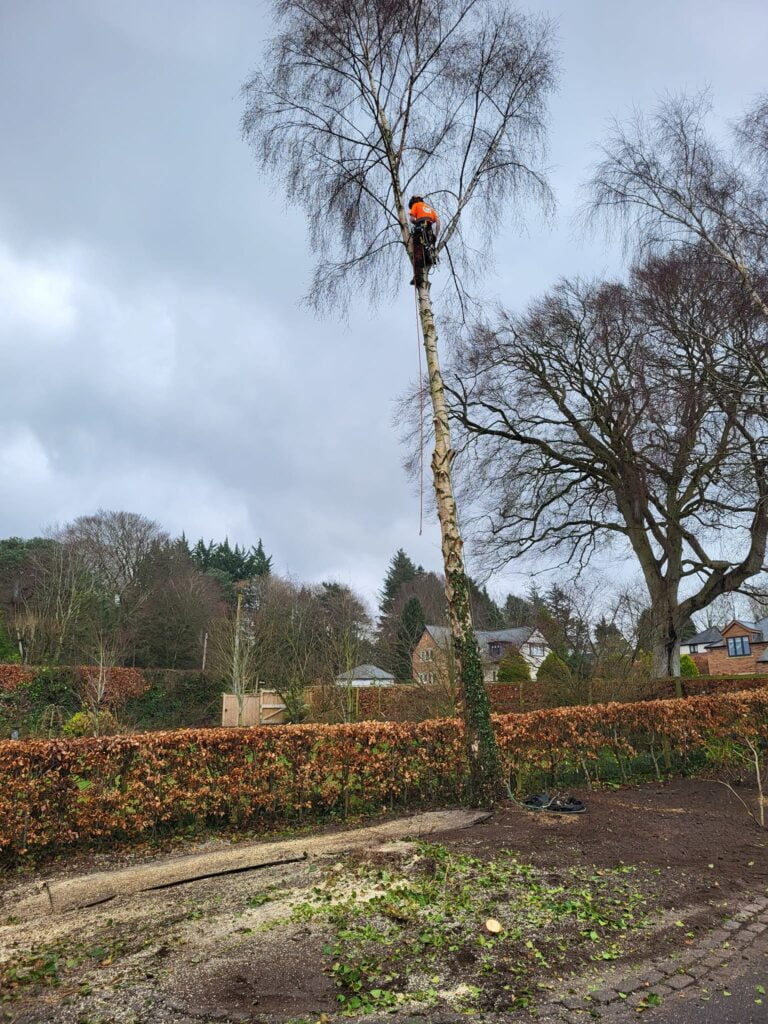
(61, 794)
(12, 676)
(409, 702)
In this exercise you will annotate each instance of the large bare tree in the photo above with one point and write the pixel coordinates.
(669, 183)
(596, 417)
(361, 102)
(113, 544)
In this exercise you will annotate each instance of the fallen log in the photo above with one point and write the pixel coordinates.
(57, 896)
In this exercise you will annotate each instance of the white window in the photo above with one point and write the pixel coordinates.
(537, 650)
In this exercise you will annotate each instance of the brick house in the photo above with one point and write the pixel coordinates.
(431, 655)
(739, 649)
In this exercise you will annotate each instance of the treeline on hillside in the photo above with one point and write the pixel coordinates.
(114, 590)
(594, 631)
(116, 587)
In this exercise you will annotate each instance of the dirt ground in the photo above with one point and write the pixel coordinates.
(695, 830)
(652, 866)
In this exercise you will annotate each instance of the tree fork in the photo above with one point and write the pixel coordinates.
(482, 751)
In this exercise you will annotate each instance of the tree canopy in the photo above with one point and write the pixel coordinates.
(593, 418)
(236, 563)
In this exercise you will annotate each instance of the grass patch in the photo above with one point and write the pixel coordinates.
(415, 932)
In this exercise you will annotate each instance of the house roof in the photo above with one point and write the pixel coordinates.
(709, 636)
(516, 636)
(760, 628)
(713, 637)
(366, 672)
(751, 626)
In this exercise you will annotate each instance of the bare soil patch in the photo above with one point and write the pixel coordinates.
(263, 979)
(285, 942)
(694, 832)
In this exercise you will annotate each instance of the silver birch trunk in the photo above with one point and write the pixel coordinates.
(482, 752)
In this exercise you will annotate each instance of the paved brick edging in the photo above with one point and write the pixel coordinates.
(712, 955)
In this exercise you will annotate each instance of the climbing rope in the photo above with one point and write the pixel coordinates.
(421, 414)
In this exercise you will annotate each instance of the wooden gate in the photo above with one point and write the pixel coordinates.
(262, 708)
(272, 711)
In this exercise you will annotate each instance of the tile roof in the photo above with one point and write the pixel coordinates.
(366, 672)
(711, 635)
(515, 636)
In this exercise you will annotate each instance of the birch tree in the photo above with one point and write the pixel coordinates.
(358, 104)
(241, 644)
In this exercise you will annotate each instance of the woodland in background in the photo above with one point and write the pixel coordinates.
(113, 592)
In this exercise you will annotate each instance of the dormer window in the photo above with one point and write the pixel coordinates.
(738, 647)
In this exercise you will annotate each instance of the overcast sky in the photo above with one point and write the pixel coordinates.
(155, 354)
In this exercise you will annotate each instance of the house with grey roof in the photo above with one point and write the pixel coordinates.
(431, 656)
(365, 675)
(696, 644)
(739, 648)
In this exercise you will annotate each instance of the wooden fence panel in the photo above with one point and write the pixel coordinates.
(262, 708)
(272, 710)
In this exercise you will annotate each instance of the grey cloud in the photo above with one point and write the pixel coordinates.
(155, 353)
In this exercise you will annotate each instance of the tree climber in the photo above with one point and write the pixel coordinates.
(425, 228)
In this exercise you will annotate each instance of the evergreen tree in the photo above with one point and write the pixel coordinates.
(553, 669)
(513, 668)
(688, 667)
(486, 614)
(535, 597)
(237, 563)
(401, 570)
(566, 632)
(608, 635)
(559, 686)
(559, 610)
(410, 629)
(19, 561)
(517, 612)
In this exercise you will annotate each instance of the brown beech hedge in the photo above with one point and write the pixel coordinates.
(59, 794)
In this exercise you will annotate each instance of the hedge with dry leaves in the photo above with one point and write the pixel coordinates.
(13, 676)
(584, 736)
(58, 794)
(119, 684)
(408, 702)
